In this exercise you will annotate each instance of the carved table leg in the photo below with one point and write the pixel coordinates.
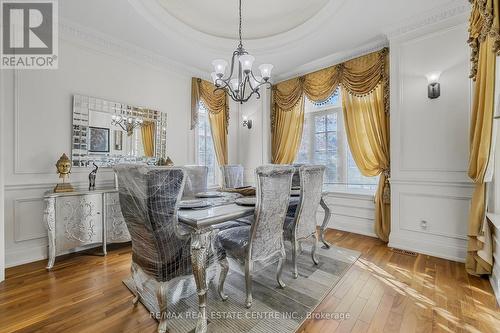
(199, 253)
(326, 219)
(49, 218)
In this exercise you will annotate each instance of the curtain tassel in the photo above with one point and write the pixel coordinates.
(386, 194)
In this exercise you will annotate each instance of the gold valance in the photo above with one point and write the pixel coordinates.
(484, 22)
(359, 77)
(214, 101)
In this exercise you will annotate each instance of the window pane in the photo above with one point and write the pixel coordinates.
(331, 122)
(319, 124)
(320, 142)
(332, 141)
(205, 147)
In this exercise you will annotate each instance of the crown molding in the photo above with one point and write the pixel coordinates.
(452, 13)
(98, 41)
(455, 11)
(334, 59)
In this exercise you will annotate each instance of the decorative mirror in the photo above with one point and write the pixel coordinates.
(107, 133)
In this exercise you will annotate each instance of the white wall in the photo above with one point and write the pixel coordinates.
(254, 144)
(2, 236)
(429, 141)
(38, 117)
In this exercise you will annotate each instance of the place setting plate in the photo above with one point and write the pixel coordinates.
(194, 203)
(210, 194)
(295, 193)
(246, 201)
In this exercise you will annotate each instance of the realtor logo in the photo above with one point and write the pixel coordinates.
(29, 37)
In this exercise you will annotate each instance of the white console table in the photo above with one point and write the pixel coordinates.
(75, 219)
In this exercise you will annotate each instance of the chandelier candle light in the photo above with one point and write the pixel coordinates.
(128, 124)
(240, 86)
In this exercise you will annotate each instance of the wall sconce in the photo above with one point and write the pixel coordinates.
(247, 122)
(434, 88)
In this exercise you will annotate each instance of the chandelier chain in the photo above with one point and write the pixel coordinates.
(241, 43)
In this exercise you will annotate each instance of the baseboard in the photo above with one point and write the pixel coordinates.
(25, 255)
(445, 251)
(32, 254)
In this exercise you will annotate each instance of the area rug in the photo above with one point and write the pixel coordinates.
(273, 310)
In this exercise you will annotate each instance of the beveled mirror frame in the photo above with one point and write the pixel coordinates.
(80, 154)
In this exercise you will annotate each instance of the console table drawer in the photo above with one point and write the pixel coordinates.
(79, 221)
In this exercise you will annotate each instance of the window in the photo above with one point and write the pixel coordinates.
(324, 142)
(205, 153)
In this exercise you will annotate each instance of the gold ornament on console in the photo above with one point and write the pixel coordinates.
(63, 166)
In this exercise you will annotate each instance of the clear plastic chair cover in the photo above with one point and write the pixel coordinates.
(232, 176)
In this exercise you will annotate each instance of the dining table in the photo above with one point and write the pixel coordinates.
(201, 222)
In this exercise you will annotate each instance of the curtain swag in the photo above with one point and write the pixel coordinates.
(358, 77)
(365, 101)
(484, 22)
(216, 102)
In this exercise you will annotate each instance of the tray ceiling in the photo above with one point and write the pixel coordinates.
(286, 33)
(261, 18)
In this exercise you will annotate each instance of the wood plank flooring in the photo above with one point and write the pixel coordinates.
(383, 292)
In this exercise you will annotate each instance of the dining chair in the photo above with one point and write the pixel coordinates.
(232, 176)
(196, 180)
(262, 241)
(302, 227)
(149, 199)
(292, 207)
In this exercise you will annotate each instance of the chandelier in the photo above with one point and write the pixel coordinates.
(128, 124)
(241, 83)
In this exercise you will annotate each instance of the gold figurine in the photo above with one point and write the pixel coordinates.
(63, 166)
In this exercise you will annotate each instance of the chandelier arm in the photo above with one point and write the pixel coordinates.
(225, 84)
(233, 95)
(259, 81)
(232, 66)
(244, 86)
(264, 84)
(248, 97)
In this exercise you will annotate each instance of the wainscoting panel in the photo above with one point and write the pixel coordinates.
(353, 213)
(432, 214)
(28, 219)
(431, 219)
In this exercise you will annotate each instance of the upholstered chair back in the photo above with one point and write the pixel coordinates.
(273, 195)
(311, 188)
(232, 176)
(196, 180)
(149, 198)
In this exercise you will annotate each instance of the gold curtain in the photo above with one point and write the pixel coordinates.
(148, 138)
(484, 39)
(216, 103)
(365, 91)
(367, 129)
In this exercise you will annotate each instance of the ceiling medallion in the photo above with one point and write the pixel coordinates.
(241, 83)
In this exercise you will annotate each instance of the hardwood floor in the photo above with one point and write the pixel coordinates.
(383, 292)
